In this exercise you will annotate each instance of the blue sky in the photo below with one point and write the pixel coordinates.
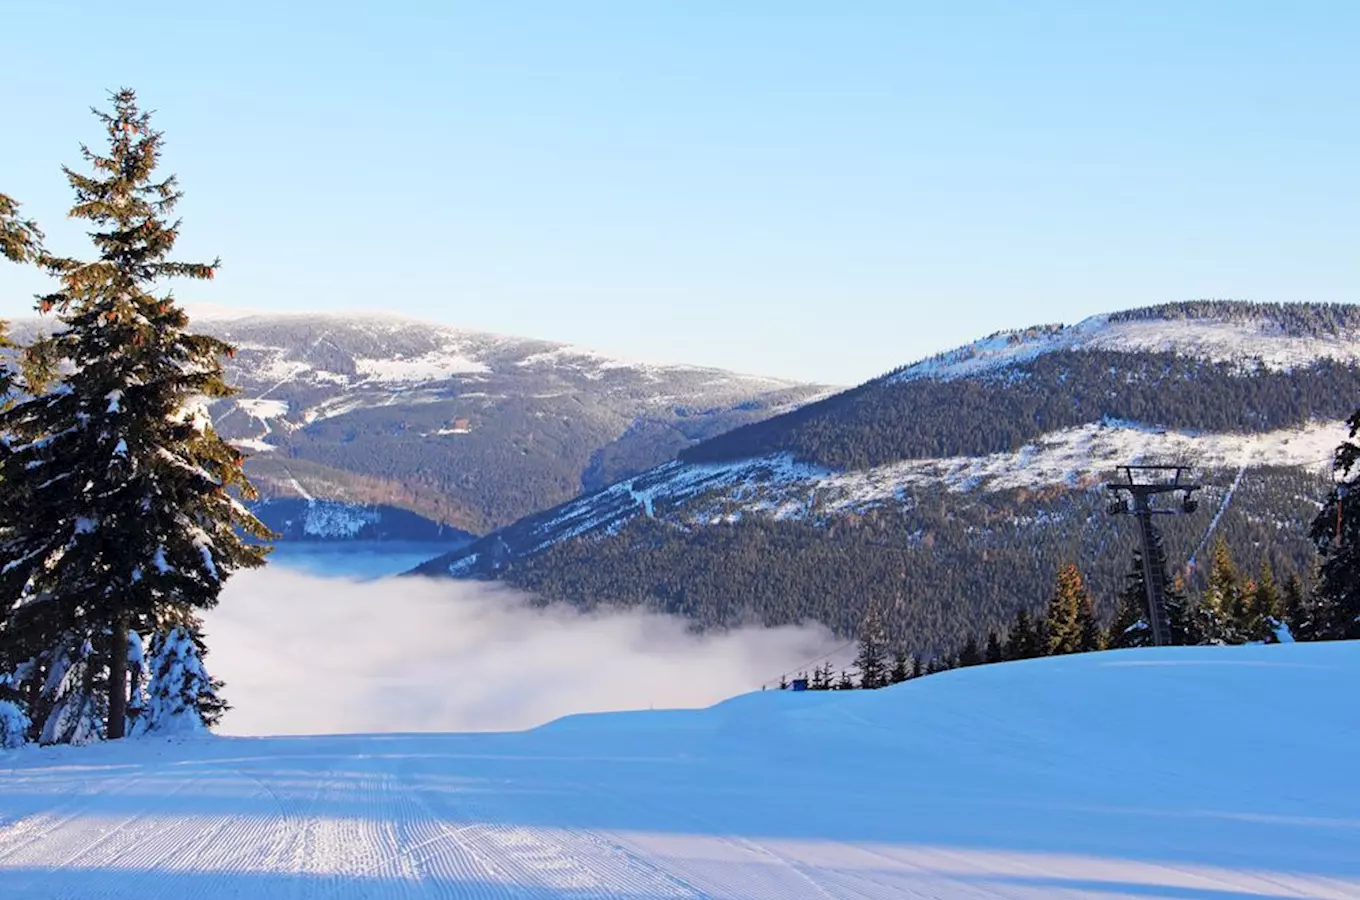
(814, 190)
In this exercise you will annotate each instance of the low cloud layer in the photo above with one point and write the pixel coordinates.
(307, 655)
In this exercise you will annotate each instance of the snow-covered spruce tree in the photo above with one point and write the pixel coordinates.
(181, 697)
(1336, 534)
(15, 722)
(78, 707)
(118, 503)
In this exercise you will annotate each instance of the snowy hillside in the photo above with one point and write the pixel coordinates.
(1262, 340)
(954, 478)
(297, 519)
(467, 428)
(696, 494)
(1189, 773)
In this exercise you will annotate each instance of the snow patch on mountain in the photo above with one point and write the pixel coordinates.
(430, 367)
(337, 520)
(260, 408)
(784, 488)
(1249, 343)
(577, 356)
(1073, 455)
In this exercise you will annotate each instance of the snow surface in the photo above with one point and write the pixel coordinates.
(262, 409)
(430, 367)
(337, 520)
(1207, 339)
(1189, 773)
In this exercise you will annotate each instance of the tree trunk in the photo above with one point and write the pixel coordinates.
(118, 694)
(37, 709)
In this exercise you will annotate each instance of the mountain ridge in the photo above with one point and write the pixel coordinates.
(467, 428)
(1028, 444)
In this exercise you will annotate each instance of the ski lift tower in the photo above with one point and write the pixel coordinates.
(1140, 488)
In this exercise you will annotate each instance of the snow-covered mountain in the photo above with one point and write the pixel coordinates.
(1200, 773)
(960, 452)
(466, 428)
(1271, 336)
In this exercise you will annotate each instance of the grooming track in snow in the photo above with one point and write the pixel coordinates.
(1042, 779)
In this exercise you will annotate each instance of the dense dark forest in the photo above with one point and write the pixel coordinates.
(1293, 319)
(886, 421)
(943, 567)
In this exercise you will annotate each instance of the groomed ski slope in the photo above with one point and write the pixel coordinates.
(1200, 773)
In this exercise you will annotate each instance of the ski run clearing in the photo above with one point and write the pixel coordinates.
(1189, 773)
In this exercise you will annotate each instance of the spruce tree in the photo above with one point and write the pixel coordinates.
(20, 239)
(918, 667)
(14, 718)
(1336, 534)
(1179, 612)
(1025, 640)
(20, 242)
(181, 697)
(1265, 608)
(1220, 611)
(993, 652)
(119, 503)
(901, 666)
(846, 682)
(1130, 626)
(78, 707)
(1092, 635)
(1064, 626)
(971, 654)
(872, 659)
(1298, 612)
(14, 724)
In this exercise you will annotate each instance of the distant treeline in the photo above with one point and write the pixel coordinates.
(942, 567)
(887, 421)
(1293, 319)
